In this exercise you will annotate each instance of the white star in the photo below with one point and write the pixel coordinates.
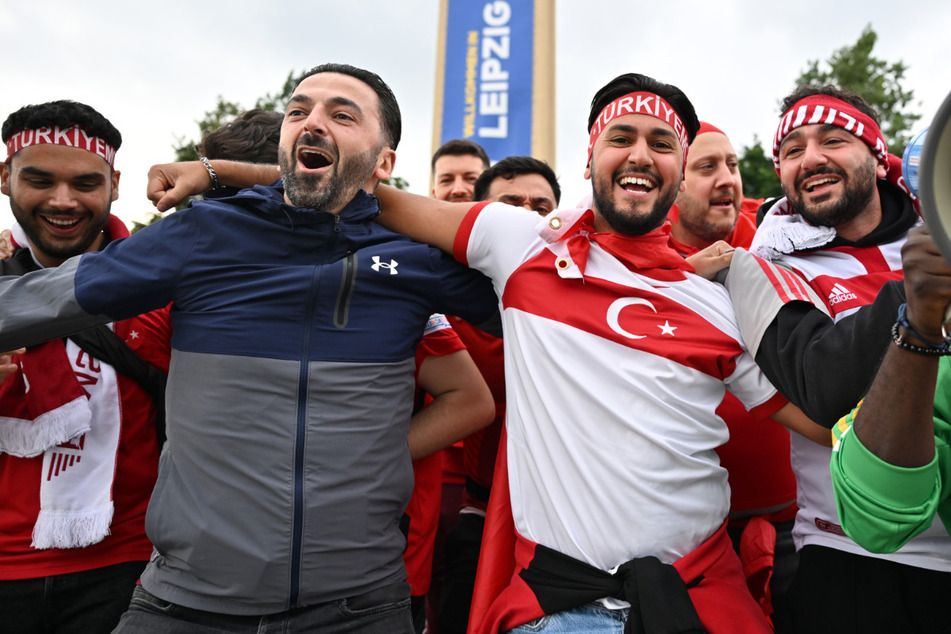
(667, 329)
(133, 335)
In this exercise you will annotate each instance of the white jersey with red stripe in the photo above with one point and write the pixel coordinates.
(612, 378)
(847, 278)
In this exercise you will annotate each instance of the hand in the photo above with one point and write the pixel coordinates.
(927, 283)
(7, 364)
(171, 183)
(6, 244)
(711, 260)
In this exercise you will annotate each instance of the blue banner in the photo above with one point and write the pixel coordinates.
(487, 94)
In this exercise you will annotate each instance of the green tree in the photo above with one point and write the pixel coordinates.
(878, 81)
(759, 175)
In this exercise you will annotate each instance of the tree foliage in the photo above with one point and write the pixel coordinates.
(878, 81)
(759, 175)
(225, 111)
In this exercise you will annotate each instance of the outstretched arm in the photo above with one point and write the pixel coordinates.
(462, 404)
(428, 220)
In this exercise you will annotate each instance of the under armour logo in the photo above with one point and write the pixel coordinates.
(377, 265)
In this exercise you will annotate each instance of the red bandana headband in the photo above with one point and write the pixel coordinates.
(639, 103)
(70, 137)
(823, 109)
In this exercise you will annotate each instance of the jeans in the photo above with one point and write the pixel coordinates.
(381, 611)
(592, 617)
(87, 602)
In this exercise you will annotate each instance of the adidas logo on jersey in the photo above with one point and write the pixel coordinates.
(840, 294)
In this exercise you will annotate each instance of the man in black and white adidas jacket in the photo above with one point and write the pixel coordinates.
(816, 308)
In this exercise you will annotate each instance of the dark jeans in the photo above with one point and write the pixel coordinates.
(842, 593)
(462, 560)
(88, 602)
(382, 611)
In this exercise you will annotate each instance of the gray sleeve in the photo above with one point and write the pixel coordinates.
(42, 305)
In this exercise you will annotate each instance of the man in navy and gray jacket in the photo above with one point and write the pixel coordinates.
(295, 320)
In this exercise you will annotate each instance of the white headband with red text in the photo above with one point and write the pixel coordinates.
(639, 103)
(69, 137)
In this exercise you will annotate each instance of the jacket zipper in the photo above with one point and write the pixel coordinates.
(347, 283)
(303, 377)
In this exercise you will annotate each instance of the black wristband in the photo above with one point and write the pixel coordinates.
(932, 350)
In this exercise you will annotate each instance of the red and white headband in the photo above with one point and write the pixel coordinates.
(639, 103)
(69, 137)
(826, 110)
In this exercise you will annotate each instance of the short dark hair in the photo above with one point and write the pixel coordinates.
(253, 137)
(390, 118)
(512, 166)
(460, 147)
(63, 114)
(634, 82)
(848, 96)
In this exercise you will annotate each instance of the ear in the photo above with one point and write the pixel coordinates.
(385, 164)
(115, 184)
(881, 169)
(5, 178)
(587, 170)
(683, 184)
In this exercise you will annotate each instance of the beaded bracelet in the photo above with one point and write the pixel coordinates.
(932, 350)
(211, 171)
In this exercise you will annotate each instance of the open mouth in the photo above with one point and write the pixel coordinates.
(62, 223)
(313, 159)
(636, 184)
(722, 203)
(815, 184)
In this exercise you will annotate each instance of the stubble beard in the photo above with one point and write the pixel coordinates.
(859, 190)
(31, 223)
(327, 191)
(628, 223)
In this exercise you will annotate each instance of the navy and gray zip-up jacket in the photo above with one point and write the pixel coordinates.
(289, 395)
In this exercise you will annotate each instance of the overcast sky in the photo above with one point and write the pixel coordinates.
(154, 68)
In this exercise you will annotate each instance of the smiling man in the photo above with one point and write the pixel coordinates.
(819, 319)
(609, 466)
(456, 166)
(78, 442)
(296, 320)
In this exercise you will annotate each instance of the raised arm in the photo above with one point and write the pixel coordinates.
(895, 422)
(428, 220)
(171, 183)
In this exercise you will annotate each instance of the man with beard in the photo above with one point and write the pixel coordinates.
(819, 318)
(78, 444)
(712, 206)
(616, 357)
(762, 485)
(296, 321)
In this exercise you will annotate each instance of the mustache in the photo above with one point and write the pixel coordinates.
(317, 142)
(826, 169)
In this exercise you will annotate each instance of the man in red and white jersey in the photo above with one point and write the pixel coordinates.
(78, 444)
(616, 356)
(817, 312)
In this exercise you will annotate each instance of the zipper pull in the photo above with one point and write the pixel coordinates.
(336, 224)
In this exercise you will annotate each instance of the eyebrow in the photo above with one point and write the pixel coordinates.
(34, 171)
(623, 127)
